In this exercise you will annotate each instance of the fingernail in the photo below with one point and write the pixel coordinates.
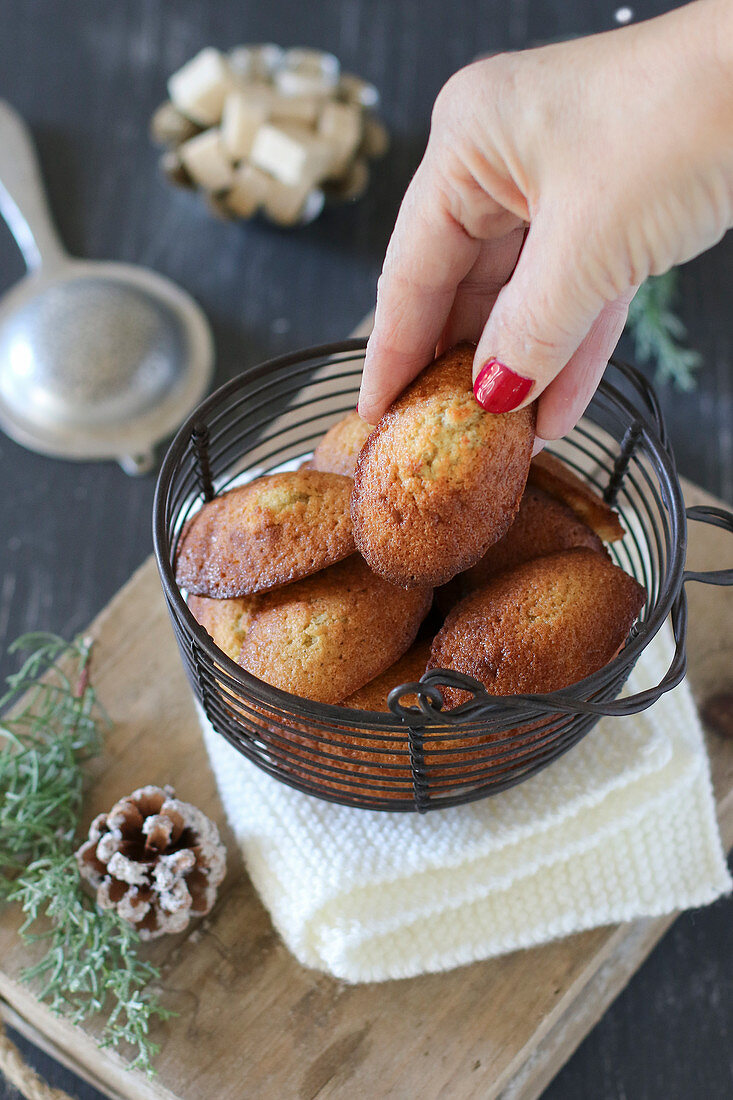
(499, 389)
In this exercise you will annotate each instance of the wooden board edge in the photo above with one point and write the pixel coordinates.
(24, 1028)
(630, 946)
(582, 1008)
(75, 1048)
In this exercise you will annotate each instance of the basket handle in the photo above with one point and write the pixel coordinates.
(633, 704)
(716, 517)
(560, 702)
(701, 513)
(430, 699)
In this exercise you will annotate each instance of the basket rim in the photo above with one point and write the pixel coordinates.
(260, 691)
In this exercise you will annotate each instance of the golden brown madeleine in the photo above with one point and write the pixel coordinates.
(543, 526)
(226, 621)
(439, 480)
(267, 533)
(549, 473)
(407, 670)
(327, 635)
(541, 626)
(340, 446)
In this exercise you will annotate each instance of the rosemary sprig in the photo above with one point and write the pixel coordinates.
(90, 961)
(658, 333)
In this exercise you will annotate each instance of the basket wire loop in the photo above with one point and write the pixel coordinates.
(620, 467)
(417, 767)
(200, 444)
(422, 757)
(648, 394)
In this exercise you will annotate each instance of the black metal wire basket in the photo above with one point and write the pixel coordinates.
(418, 757)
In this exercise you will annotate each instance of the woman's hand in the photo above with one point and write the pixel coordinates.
(554, 181)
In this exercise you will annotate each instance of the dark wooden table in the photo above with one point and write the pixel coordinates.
(87, 76)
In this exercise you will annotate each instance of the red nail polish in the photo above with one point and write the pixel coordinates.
(499, 389)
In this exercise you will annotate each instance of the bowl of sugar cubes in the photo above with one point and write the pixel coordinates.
(272, 132)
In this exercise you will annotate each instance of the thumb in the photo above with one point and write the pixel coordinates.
(539, 320)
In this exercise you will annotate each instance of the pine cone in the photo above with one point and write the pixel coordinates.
(155, 859)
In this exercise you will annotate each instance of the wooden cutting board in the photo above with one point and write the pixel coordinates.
(255, 1023)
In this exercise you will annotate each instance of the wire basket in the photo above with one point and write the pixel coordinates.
(417, 757)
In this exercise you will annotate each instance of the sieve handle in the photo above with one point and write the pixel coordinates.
(23, 202)
(716, 517)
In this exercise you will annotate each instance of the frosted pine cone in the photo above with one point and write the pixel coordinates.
(155, 859)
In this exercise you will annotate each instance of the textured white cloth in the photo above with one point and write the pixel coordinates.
(622, 826)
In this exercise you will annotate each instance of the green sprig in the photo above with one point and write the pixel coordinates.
(659, 334)
(90, 963)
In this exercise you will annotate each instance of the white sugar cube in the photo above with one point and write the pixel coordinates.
(340, 125)
(207, 162)
(199, 88)
(252, 63)
(290, 153)
(241, 118)
(288, 205)
(296, 108)
(249, 191)
(307, 72)
(169, 127)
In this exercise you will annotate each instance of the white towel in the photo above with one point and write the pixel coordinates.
(622, 826)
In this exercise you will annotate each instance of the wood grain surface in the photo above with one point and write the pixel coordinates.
(87, 76)
(249, 1012)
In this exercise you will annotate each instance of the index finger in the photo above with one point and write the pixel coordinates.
(428, 255)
